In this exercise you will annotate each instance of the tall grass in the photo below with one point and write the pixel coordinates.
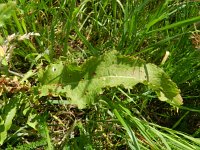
(73, 31)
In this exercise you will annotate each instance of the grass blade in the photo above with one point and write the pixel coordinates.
(177, 24)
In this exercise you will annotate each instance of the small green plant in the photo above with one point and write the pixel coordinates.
(29, 146)
(6, 11)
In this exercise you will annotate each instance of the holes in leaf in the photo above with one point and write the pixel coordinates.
(54, 69)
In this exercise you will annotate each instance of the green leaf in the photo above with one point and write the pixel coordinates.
(6, 118)
(32, 120)
(82, 85)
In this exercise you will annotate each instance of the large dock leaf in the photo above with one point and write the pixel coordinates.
(82, 85)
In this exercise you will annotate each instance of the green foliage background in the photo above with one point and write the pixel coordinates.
(75, 49)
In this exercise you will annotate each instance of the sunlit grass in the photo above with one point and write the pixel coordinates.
(124, 119)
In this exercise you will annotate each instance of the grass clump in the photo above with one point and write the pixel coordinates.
(38, 34)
